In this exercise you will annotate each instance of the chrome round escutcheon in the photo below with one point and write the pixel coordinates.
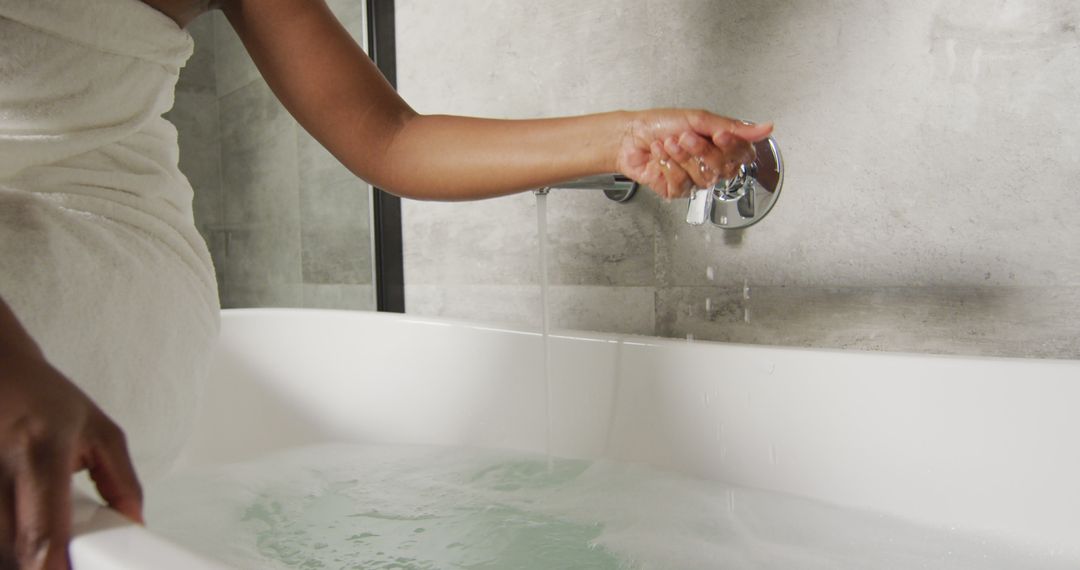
(744, 200)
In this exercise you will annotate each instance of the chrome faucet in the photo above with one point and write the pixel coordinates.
(744, 200)
(732, 203)
(616, 187)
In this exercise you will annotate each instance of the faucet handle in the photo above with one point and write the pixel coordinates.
(744, 200)
(701, 205)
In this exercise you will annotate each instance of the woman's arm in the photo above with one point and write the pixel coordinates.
(332, 88)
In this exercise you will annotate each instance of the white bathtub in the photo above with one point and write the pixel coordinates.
(987, 445)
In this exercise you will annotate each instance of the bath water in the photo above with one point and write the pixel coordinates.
(349, 506)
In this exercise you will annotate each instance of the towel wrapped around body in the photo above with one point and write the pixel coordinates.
(99, 255)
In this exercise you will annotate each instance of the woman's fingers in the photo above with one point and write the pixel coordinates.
(688, 149)
(677, 182)
(43, 504)
(35, 505)
(656, 170)
(50, 429)
(7, 523)
(707, 162)
(734, 153)
(751, 132)
(710, 125)
(653, 175)
(113, 473)
(694, 160)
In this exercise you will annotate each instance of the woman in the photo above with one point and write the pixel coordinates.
(104, 283)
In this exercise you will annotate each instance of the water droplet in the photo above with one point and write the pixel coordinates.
(708, 237)
(710, 273)
(708, 304)
(772, 455)
(731, 500)
(746, 300)
(689, 337)
(708, 399)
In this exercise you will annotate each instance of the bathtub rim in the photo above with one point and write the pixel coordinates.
(611, 337)
(104, 539)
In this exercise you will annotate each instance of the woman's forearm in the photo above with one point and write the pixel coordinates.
(443, 157)
(336, 93)
(333, 89)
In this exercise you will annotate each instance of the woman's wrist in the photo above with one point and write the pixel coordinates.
(622, 129)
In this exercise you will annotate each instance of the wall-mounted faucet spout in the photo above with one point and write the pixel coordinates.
(615, 186)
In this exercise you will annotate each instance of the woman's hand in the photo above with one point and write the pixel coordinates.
(675, 150)
(49, 429)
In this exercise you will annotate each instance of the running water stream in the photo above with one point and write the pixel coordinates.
(541, 232)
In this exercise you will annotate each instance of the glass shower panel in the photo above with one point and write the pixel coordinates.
(287, 225)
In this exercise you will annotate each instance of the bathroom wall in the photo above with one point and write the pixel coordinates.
(933, 170)
(287, 225)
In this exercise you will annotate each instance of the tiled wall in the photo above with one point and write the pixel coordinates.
(932, 187)
(287, 225)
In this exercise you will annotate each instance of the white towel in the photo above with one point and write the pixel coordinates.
(99, 256)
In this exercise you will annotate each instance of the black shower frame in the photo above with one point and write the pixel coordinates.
(386, 217)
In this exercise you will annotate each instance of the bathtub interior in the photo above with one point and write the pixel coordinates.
(983, 444)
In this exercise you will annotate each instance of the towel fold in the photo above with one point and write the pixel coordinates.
(99, 255)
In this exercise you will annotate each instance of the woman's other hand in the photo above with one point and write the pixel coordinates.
(674, 150)
(50, 429)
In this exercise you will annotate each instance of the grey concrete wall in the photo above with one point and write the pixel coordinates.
(287, 225)
(933, 170)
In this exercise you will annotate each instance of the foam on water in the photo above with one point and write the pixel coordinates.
(353, 506)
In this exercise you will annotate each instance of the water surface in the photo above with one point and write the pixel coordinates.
(347, 506)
